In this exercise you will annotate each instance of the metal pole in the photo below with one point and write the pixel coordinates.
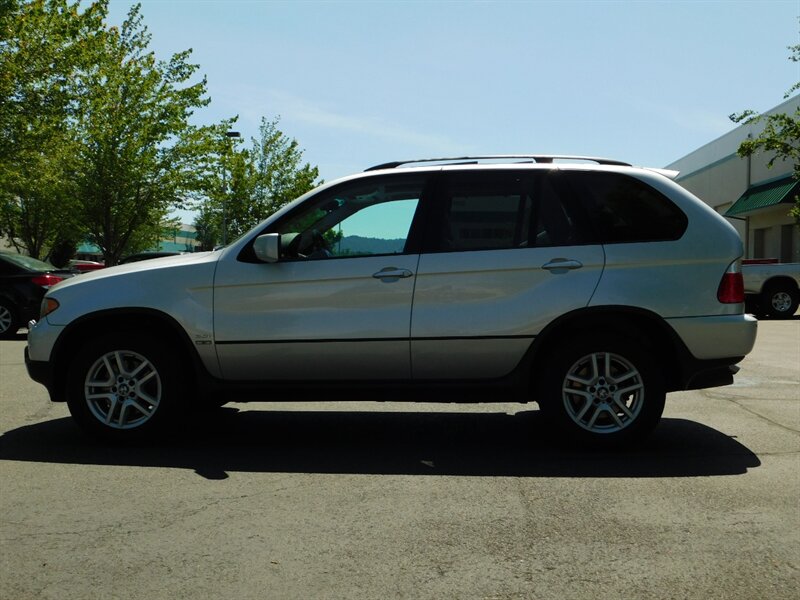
(224, 208)
(229, 135)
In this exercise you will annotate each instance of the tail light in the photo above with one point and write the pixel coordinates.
(731, 288)
(46, 280)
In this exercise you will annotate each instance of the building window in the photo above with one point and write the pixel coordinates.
(759, 243)
(787, 243)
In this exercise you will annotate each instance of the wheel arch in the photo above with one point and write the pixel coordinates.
(154, 322)
(646, 327)
(784, 281)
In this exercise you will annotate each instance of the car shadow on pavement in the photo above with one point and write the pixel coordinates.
(390, 443)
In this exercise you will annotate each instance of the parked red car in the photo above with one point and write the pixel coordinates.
(85, 265)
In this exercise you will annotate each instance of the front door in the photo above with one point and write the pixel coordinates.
(337, 306)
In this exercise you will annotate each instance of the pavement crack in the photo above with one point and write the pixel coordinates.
(751, 411)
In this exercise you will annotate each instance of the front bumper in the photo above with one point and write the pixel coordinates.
(41, 372)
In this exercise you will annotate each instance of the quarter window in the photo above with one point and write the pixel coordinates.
(624, 209)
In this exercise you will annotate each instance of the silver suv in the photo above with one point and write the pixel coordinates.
(587, 285)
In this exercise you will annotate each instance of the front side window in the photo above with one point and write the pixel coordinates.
(360, 218)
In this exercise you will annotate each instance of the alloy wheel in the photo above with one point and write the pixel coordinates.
(603, 392)
(5, 318)
(123, 389)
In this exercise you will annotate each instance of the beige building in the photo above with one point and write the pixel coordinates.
(755, 199)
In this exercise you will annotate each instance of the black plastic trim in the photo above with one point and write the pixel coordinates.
(41, 372)
(388, 339)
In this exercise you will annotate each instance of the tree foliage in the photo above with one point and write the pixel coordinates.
(781, 135)
(139, 154)
(252, 183)
(95, 138)
(43, 45)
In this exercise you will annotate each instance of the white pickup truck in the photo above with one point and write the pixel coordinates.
(771, 288)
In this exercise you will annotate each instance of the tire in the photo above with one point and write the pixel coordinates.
(9, 319)
(604, 389)
(751, 305)
(780, 301)
(124, 386)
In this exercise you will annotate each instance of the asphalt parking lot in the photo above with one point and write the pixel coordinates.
(325, 500)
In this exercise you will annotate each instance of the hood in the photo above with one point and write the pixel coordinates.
(152, 264)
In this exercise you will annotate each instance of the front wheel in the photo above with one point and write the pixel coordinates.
(603, 388)
(122, 386)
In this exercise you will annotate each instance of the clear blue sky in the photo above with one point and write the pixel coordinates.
(359, 83)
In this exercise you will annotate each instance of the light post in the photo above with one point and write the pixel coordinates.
(229, 135)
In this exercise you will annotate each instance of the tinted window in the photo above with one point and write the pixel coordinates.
(493, 210)
(483, 211)
(556, 216)
(624, 209)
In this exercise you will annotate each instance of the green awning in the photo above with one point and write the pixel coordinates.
(174, 247)
(763, 196)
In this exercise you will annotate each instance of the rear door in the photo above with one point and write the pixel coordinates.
(505, 254)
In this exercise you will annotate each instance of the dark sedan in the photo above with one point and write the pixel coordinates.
(23, 282)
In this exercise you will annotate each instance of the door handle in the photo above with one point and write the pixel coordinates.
(392, 273)
(562, 264)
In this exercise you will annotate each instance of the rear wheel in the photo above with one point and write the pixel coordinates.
(123, 386)
(780, 301)
(603, 388)
(9, 319)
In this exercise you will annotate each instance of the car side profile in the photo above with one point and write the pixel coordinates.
(588, 286)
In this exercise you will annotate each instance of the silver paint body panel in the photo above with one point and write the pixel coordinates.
(465, 315)
(284, 321)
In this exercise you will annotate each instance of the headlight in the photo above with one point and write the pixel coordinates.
(48, 306)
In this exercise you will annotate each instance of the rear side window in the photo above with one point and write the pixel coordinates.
(623, 209)
(556, 216)
(485, 212)
(498, 210)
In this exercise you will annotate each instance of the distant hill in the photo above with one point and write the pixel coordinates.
(356, 244)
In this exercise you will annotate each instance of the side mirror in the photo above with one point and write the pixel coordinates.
(267, 247)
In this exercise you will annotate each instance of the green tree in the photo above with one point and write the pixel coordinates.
(208, 226)
(781, 135)
(38, 205)
(252, 183)
(139, 155)
(43, 45)
(281, 174)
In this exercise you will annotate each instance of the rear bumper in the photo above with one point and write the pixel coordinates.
(712, 346)
(707, 374)
(717, 337)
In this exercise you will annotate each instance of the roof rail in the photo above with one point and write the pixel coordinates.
(539, 158)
